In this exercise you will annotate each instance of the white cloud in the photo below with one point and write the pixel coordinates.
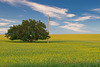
(82, 18)
(10, 25)
(86, 17)
(3, 30)
(66, 22)
(92, 16)
(74, 26)
(97, 10)
(12, 1)
(3, 24)
(95, 17)
(52, 11)
(54, 23)
(7, 20)
(70, 15)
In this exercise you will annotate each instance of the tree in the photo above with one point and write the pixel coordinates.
(29, 31)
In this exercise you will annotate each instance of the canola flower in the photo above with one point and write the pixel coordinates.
(62, 51)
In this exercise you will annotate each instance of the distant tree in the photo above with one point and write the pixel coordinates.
(29, 31)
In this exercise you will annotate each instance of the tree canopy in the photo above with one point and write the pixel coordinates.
(29, 31)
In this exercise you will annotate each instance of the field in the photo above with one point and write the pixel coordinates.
(64, 50)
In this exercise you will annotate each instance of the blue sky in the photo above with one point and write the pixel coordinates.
(66, 16)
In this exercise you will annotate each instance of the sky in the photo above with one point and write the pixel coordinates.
(66, 16)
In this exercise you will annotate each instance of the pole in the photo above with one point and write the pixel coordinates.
(48, 29)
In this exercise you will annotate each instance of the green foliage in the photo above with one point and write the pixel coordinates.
(29, 30)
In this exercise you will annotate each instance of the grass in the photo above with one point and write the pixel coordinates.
(64, 50)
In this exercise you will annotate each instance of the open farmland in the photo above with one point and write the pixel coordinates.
(64, 50)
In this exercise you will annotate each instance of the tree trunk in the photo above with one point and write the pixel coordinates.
(31, 40)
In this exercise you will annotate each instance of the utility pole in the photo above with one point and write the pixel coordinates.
(48, 29)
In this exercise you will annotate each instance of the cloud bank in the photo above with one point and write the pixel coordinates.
(7, 20)
(74, 26)
(54, 23)
(44, 9)
(3, 30)
(3, 24)
(86, 18)
(97, 10)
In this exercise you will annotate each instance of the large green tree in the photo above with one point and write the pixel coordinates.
(29, 31)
